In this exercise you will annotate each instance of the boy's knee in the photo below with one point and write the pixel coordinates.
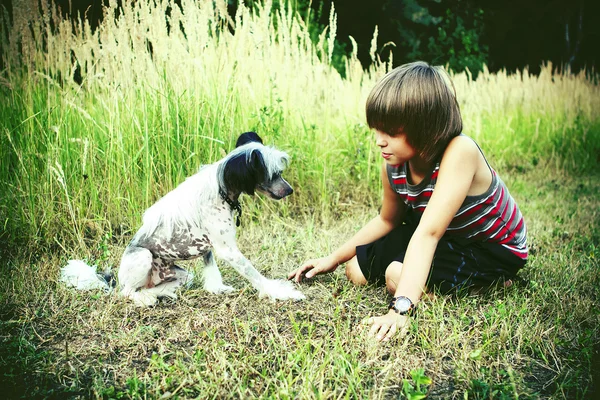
(392, 276)
(354, 274)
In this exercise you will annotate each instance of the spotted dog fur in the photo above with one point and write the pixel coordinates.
(194, 221)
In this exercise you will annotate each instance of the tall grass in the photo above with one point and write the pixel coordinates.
(166, 88)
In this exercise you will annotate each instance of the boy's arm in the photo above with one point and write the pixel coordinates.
(456, 173)
(391, 215)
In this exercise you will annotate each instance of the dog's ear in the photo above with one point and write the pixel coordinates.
(248, 137)
(244, 172)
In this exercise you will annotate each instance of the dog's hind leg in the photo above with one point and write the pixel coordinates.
(173, 278)
(135, 272)
(213, 282)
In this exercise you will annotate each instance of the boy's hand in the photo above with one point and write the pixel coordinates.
(386, 326)
(314, 267)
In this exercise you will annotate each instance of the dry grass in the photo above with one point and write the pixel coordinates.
(533, 340)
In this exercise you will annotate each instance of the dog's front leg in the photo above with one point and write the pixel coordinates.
(213, 282)
(233, 256)
(273, 288)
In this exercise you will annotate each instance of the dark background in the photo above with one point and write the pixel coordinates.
(517, 33)
(502, 34)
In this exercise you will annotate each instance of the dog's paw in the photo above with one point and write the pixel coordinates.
(219, 289)
(277, 289)
(142, 299)
(170, 293)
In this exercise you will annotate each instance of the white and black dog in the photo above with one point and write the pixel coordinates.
(196, 218)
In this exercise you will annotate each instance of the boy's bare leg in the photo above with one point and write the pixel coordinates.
(353, 272)
(392, 277)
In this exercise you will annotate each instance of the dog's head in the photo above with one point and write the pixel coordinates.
(253, 166)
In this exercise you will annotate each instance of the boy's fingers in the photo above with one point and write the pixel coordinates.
(294, 274)
(382, 331)
(367, 321)
(312, 272)
(297, 274)
(305, 269)
(374, 329)
(390, 333)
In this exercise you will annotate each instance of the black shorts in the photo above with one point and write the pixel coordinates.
(457, 263)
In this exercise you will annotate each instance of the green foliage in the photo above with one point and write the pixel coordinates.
(112, 393)
(416, 389)
(454, 37)
(458, 45)
(504, 389)
(135, 387)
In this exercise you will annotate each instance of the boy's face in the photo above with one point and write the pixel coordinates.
(394, 149)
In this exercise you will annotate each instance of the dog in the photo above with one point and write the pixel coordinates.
(196, 219)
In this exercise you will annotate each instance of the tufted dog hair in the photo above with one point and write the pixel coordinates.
(195, 219)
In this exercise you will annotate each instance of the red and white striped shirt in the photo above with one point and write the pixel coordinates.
(492, 216)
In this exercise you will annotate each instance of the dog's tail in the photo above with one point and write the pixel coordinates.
(81, 276)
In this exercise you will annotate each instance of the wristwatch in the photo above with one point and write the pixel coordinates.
(402, 305)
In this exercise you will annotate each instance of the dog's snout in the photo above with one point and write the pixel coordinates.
(287, 189)
(282, 192)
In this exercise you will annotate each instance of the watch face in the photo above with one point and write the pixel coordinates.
(403, 305)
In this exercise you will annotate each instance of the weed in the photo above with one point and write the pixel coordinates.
(416, 389)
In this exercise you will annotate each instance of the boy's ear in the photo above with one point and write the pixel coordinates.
(248, 137)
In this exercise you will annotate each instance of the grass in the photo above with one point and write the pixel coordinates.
(537, 339)
(80, 162)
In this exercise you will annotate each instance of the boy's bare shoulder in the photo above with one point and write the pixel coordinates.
(462, 146)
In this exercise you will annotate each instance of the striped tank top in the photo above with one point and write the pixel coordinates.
(492, 216)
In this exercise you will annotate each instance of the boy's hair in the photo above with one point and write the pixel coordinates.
(419, 100)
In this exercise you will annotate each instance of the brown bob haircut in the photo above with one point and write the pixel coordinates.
(420, 101)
